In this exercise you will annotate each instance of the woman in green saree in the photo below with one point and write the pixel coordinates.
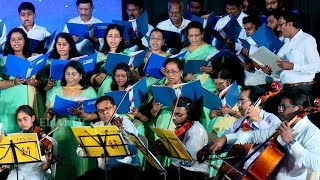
(74, 86)
(16, 91)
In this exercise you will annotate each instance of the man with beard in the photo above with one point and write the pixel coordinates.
(91, 44)
(301, 139)
(256, 117)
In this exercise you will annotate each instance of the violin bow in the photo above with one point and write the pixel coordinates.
(174, 107)
(53, 130)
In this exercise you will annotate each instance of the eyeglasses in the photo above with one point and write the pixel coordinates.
(101, 111)
(282, 23)
(270, 3)
(242, 101)
(281, 108)
(178, 114)
(194, 35)
(167, 72)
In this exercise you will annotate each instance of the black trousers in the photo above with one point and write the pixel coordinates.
(173, 174)
(123, 172)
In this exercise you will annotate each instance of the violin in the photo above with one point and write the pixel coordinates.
(117, 121)
(181, 130)
(46, 145)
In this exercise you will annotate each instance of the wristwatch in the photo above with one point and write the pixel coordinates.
(292, 142)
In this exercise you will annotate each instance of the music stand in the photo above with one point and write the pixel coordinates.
(19, 148)
(101, 142)
(173, 145)
(148, 155)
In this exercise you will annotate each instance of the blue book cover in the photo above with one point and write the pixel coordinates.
(38, 64)
(35, 45)
(172, 38)
(163, 94)
(142, 23)
(210, 100)
(26, 68)
(49, 41)
(113, 59)
(99, 29)
(79, 30)
(117, 97)
(138, 59)
(197, 18)
(245, 43)
(61, 106)
(193, 66)
(265, 37)
(154, 65)
(89, 105)
(232, 29)
(89, 63)
(56, 68)
(126, 28)
(232, 95)
(140, 91)
(191, 90)
(212, 21)
(179, 55)
(2, 23)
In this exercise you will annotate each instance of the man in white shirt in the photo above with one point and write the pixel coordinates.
(134, 10)
(300, 58)
(27, 14)
(117, 167)
(301, 138)
(233, 8)
(85, 46)
(194, 138)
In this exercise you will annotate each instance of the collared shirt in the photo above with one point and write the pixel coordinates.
(77, 20)
(36, 32)
(168, 26)
(302, 157)
(301, 50)
(3, 36)
(195, 138)
(221, 23)
(116, 161)
(268, 120)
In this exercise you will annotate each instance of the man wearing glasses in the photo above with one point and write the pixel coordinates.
(301, 139)
(117, 167)
(257, 118)
(300, 59)
(194, 138)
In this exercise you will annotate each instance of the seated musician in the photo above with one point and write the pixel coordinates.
(194, 138)
(117, 167)
(300, 139)
(37, 171)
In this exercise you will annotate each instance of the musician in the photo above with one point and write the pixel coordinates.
(194, 138)
(301, 141)
(118, 168)
(37, 171)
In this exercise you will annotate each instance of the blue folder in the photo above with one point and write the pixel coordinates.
(61, 106)
(179, 55)
(49, 41)
(57, 66)
(139, 58)
(232, 29)
(172, 39)
(2, 25)
(154, 65)
(89, 105)
(245, 43)
(233, 94)
(193, 66)
(197, 18)
(265, 37)
(212, 21)
(140, 91)
(126, 28)
(26, 68)
(117, 97)
(210, 100)
(41, 46)
(166, 95)
(99, 29)
(142, 23)
(114, 59)
(79, 30)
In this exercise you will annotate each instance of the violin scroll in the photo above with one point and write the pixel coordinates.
(275, 89)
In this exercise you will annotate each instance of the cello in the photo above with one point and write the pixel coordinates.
(266, 162)
(237, 153)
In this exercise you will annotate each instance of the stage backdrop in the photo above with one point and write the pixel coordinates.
(53, 14)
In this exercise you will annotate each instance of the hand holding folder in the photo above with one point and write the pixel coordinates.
(231, 30)
(26, 68)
